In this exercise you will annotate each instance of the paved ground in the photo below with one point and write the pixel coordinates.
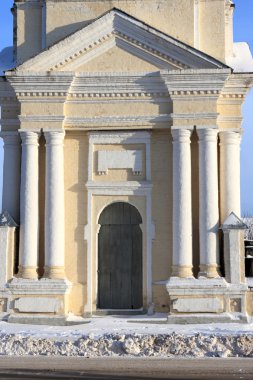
(129, 369)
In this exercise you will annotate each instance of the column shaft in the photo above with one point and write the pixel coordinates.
(54, 210)
(29, 207)
(230, 173)
(208, 203)
(11, 174)
(182, 204)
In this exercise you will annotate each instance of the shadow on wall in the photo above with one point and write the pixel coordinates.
(6, 59)
(246, 157)
(1, 169)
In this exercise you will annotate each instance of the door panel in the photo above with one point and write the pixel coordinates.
(120, 258)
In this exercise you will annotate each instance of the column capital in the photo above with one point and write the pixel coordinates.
(230, 137)
(181, 134)
(54, 137)
(10, 137)
(207, 134)
(29, 137)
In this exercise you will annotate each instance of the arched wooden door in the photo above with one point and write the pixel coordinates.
(120, 258)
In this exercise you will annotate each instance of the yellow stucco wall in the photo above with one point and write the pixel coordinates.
(186, 20)
(76, 211)
(76, 158)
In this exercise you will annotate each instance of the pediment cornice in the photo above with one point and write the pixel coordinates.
(116, 28)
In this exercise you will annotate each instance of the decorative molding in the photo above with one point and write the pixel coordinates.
(41, 118)
(230, 119)
(136, 120)
(42, 94)
(194, 92)
(40, 84)
(195, 83)
(120, 138)
(121, 95)
(119, 188)
(117, 85)
(44, 286)
(194, 116)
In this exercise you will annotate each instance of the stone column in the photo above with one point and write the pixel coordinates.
(230, 173)
(29, 205)
(182, 203)
(54, 210)
(208, 203)
(11, 173)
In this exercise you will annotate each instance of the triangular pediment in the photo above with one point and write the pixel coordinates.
(114, 41)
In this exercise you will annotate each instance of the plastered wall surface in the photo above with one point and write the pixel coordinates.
(45, 23)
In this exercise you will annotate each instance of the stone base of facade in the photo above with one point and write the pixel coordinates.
(40, 319)
(206, 301)
(43, 301)
(204, 318)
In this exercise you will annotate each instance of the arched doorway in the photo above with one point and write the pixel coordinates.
(120, 258)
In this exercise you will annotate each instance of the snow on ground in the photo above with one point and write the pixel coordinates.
(98, 326)
(114, 336)
(6, 59)
(241, 60)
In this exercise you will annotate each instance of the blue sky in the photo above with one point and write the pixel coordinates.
(243, 31)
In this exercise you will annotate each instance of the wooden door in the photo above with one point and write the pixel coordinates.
(120, 258)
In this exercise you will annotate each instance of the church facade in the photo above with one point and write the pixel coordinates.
(121, 124)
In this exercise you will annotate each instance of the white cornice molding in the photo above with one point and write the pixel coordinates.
(119, 137)
(237, 85)
(124, 120)
(119, 187)
(195, 116)
(230, 119)
(27, 85)
(195, 82)
(41, 118)
(118, 85)
(130, 34)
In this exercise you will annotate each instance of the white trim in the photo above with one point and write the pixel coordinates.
(116, 120)
(41, 118)
(135, 188)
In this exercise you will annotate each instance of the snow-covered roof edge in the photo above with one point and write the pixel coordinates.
(241, 60)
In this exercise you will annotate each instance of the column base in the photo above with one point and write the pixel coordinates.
(209, 271)
(182, 271)
(27, 272)
(54, 272)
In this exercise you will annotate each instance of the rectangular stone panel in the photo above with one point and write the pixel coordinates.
(37, 305)
(127, 159)
(198, 305)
